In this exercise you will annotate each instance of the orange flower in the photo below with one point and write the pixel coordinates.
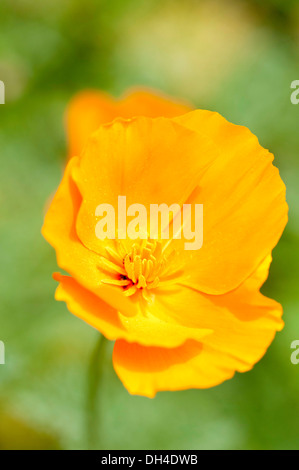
(180, 319)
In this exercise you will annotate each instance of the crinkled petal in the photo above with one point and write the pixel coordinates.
(244, 323)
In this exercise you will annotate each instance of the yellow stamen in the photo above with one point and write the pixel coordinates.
(144, 266)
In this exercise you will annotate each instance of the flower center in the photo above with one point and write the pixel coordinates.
(142, 266)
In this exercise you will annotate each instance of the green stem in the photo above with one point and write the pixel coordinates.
(93, 382)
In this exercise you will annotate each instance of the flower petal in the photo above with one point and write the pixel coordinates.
(145, 371)
(149, 103)
(82, 264)
(148, 161)
(89, 109)
(146, 330)
(85, 113)
(87, 306)
(244, 323)
(244, 206)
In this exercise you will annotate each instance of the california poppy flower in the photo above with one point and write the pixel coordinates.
(180, 319)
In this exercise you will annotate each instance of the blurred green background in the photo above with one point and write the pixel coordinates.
(236, 57)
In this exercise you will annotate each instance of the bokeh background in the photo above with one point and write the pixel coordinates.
(236, 57)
